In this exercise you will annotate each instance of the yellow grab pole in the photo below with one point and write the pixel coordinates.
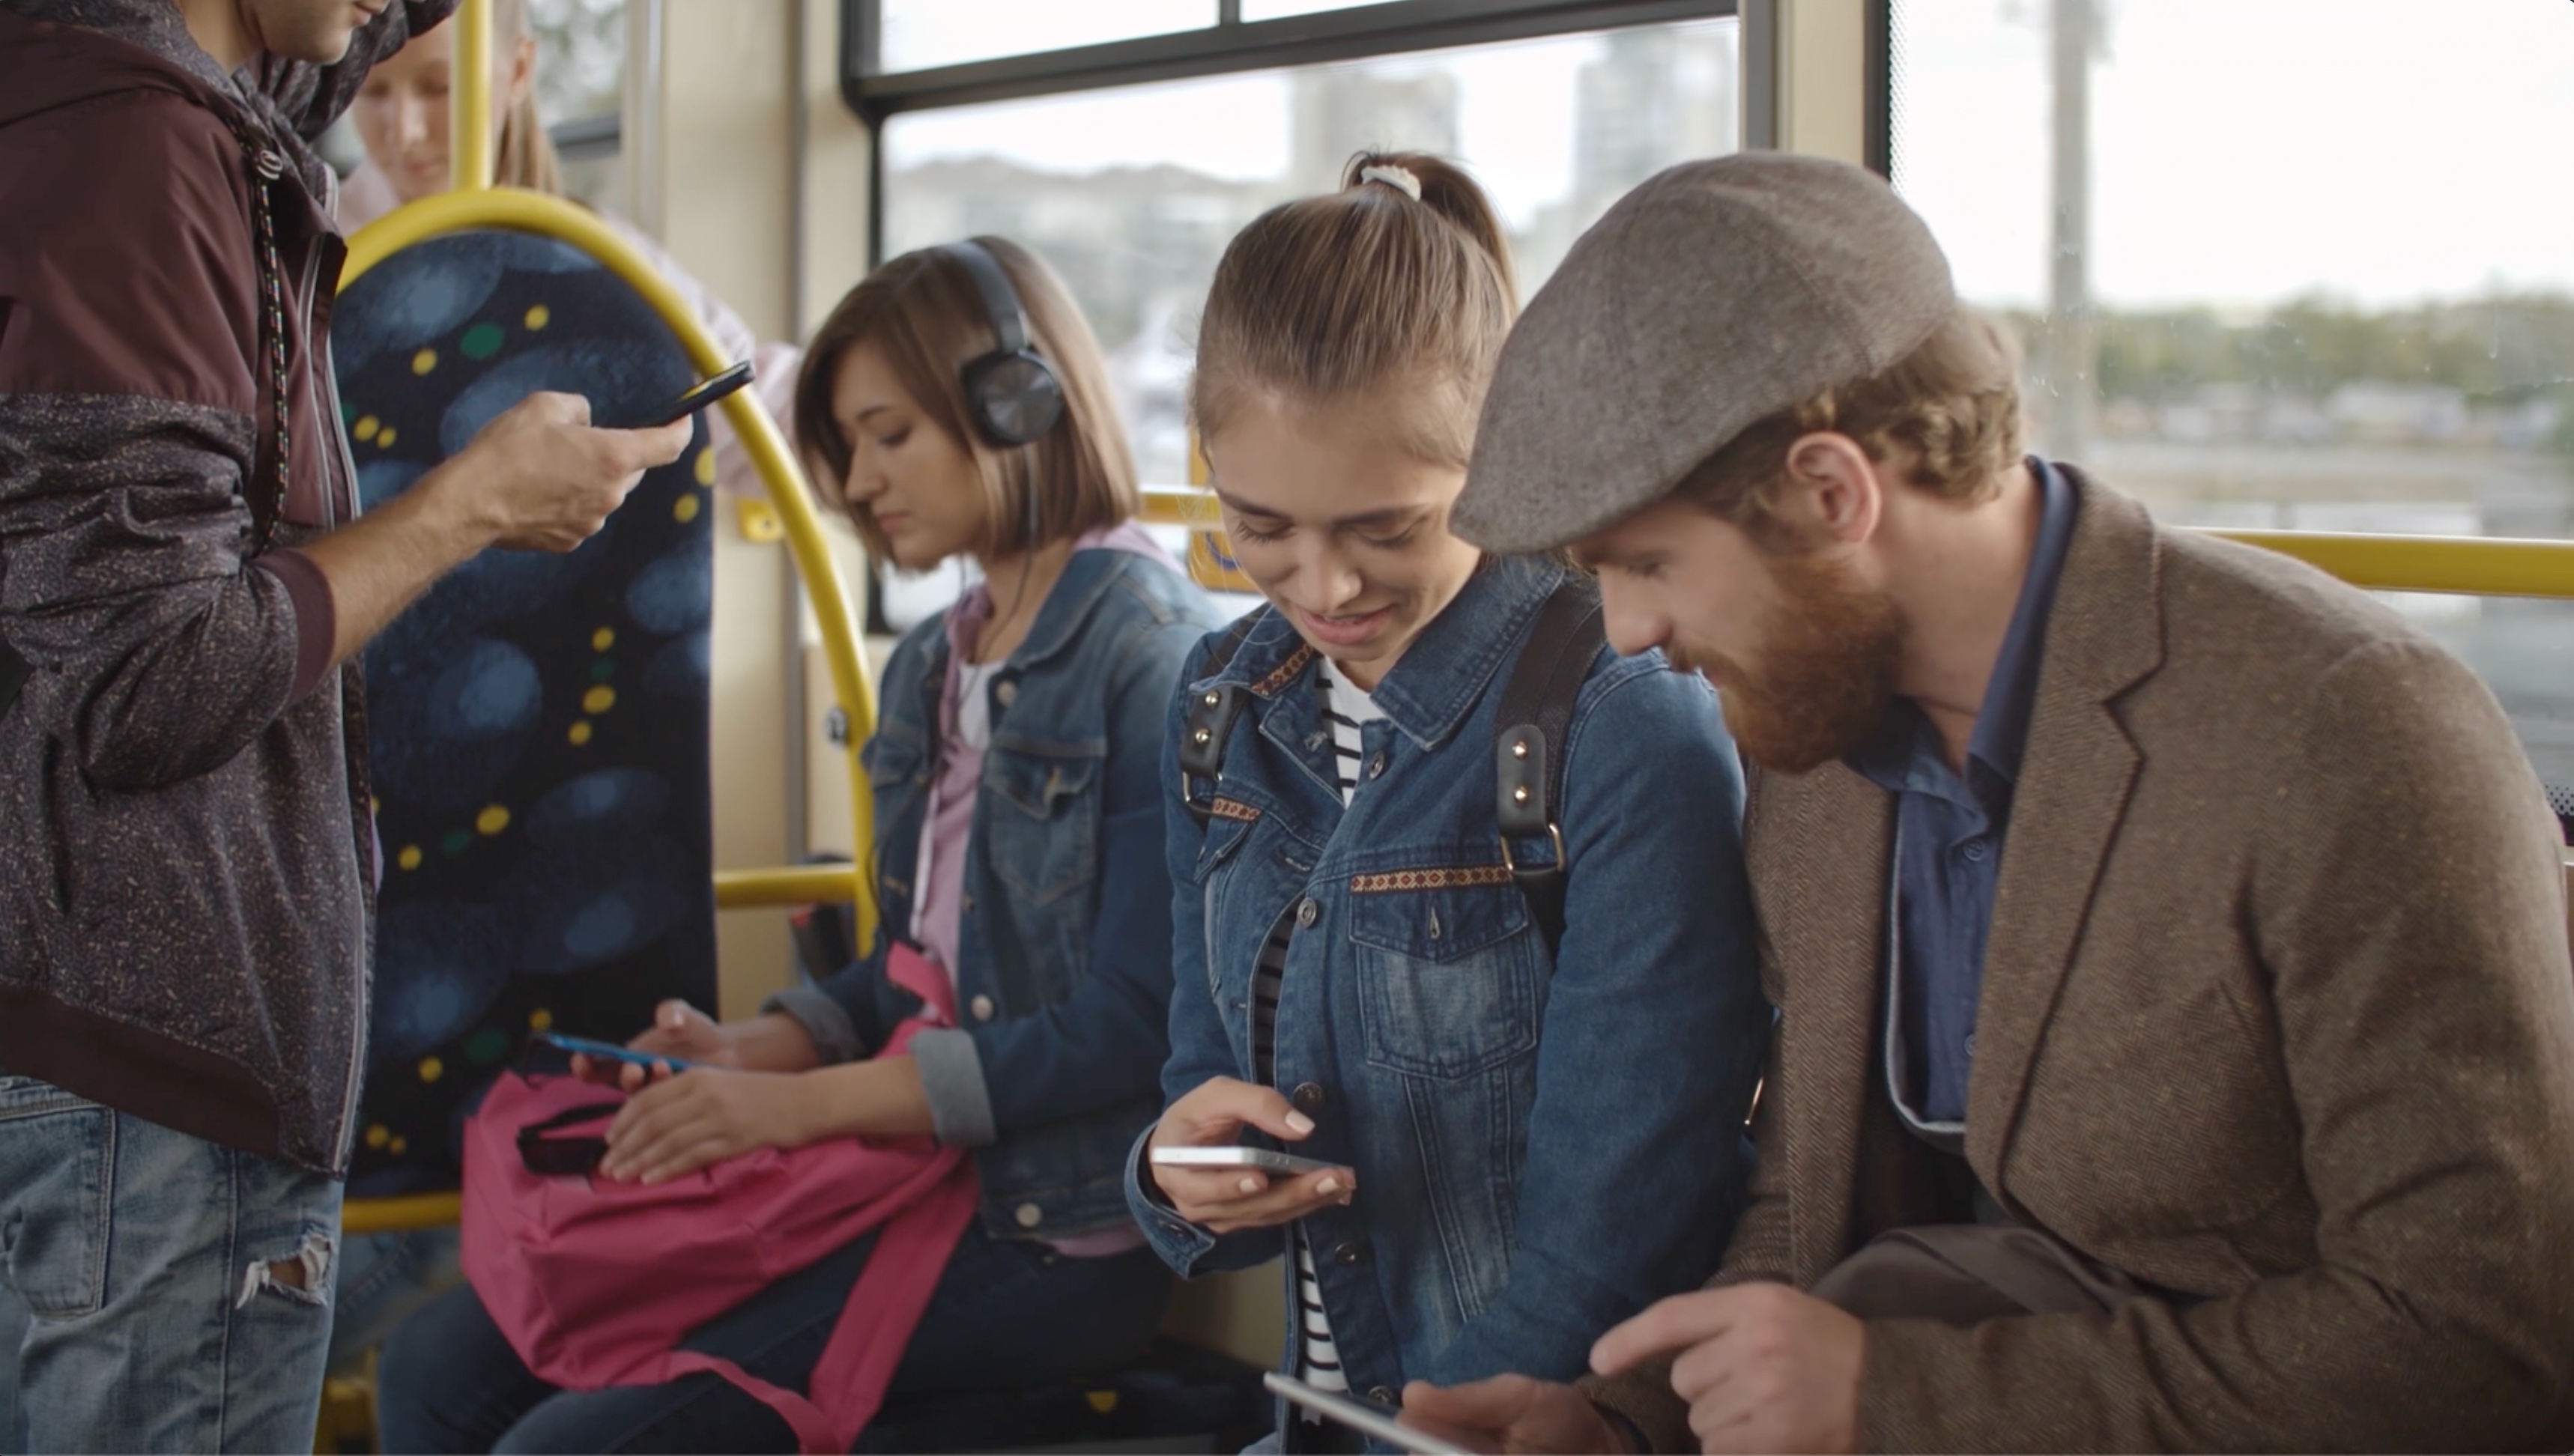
(470, 140)
(2483, 565)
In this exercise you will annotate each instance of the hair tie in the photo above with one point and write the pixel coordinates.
(1398, 178)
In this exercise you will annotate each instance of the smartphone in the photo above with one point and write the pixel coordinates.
(611, 1051)
(1362, 1419)
(1239, 1157)
(698, 396)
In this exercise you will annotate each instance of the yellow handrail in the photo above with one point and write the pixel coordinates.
(2472, 565)
(469, 100)
(2476, 566)
(802, 884)
(401, 1214)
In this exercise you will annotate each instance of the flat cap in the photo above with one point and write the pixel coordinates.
(1715, 294)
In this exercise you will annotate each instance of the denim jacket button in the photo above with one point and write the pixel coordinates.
(982, 1008)
(1005, 693)
(1349, 1251)
(1376, 769)
(1029, 1215)
(1308, 912)
(1382, 1395)
(1309, 1097)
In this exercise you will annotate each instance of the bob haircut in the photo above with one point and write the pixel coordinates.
(924, 312)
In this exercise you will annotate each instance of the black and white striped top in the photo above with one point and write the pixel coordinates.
(1346, 708)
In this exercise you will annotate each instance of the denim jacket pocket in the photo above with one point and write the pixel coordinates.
(893, 764)
(1448, 969)
(1043, 822)
(1226, 830)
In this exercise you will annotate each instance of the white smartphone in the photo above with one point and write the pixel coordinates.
(1362, 1419)
(1239, 1157)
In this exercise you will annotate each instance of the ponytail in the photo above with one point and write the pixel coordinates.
(522, 154)
(1402, 279)
(525, 155)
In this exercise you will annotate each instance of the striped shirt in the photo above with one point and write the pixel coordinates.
(1346, 708)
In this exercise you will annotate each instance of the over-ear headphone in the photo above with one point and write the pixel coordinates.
(1011, 393)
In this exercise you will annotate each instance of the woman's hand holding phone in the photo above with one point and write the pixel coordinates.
(772, 1043)
(1228, 1200)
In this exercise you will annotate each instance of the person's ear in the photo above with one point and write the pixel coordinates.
(523, 71)
(1831, 491)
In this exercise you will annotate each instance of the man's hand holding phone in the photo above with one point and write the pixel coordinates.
(540, 478)
(1230, 1199)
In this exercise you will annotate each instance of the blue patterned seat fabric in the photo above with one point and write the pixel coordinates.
(536, 724)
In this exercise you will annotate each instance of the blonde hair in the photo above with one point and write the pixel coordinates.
(924, 312)
(1373, 288)
(1951, 406)
(522, 154)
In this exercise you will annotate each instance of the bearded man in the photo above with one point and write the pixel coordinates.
(2176, 1041)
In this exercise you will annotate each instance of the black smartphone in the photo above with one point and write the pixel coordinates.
(698, 396)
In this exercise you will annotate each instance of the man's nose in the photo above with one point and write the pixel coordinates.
(1633, 623)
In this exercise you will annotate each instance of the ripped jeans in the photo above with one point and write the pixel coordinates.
(207, 1328)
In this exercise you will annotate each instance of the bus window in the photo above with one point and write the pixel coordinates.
(2234, 240)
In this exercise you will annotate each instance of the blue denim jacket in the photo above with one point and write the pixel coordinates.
(1544, 1145)
(1064, 951)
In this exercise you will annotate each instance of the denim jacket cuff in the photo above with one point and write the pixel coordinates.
(1179, 1242)
(836, 1036)
(951, 1076)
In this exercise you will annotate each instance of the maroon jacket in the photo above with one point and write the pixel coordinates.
(185, 895)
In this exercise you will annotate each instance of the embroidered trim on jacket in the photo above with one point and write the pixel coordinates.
(1287, 671)
(1401, 881)
(1234, 809)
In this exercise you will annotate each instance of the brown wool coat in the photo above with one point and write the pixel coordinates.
(2277, 1014)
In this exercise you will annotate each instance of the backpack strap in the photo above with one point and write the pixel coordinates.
(1529, 733)
(1208, 725)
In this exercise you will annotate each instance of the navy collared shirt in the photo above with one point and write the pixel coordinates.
(1950, 829)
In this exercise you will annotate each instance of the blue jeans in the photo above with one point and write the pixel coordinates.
(384, 1277)
(1005, 1314)
(206, 1330)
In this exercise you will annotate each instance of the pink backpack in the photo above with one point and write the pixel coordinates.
(594, 1282)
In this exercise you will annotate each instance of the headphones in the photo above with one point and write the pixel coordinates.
(1011, 393)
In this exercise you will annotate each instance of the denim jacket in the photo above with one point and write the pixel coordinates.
(1542, 1144)
(1065, 957)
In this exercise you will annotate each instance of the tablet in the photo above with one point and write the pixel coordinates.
(1366, 1420)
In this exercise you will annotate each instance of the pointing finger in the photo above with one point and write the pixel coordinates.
(1671, 1324)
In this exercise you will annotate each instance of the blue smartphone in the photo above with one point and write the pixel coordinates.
(611, 1051)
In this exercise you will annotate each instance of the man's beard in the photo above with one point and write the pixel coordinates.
(1826, 672)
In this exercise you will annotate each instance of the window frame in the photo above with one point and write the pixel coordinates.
(1229, 45)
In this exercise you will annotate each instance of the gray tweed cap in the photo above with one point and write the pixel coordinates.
(1715, 294)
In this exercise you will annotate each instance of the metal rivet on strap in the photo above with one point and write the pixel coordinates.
(1519, 749)
(1520, 794)
(1202, 738)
